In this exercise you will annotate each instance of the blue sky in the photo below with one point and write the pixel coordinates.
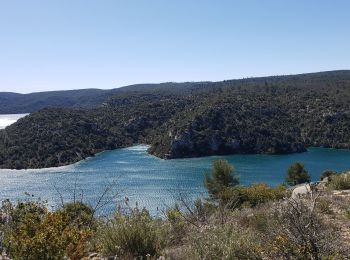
(66, 44)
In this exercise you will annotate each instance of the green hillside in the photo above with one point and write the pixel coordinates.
(273, 115)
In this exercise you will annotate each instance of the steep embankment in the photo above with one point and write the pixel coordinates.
(265, 115)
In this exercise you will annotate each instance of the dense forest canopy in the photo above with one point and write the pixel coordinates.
(273, 115)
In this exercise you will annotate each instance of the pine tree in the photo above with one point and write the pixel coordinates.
(223, 176)
(297, 174)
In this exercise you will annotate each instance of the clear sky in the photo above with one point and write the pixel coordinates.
(71, 44)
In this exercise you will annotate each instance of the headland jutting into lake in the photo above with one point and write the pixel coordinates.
(270, 115)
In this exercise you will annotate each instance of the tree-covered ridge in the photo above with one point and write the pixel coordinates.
(263, 115)
(16, 103)
(265, 118)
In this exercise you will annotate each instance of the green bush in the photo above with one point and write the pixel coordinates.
(253, 195)
(260, 193)
(31, 232)
(78, 213)
(130, 235)
(339, 182)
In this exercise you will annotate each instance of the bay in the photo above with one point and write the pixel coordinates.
(148, 181)
(152, 182)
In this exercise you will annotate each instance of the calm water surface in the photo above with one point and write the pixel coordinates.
(152, 182)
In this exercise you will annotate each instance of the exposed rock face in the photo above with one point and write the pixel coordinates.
(181, 145)
(190, 143)
(241, 124)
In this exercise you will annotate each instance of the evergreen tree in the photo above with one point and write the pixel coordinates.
(297, 174)
(223, 176)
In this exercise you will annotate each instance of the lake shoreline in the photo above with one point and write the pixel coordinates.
(152, 182)
(166, 159)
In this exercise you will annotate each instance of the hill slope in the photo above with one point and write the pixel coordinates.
(261, 115)
(15, 103)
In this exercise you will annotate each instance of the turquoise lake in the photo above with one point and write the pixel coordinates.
(153, 182)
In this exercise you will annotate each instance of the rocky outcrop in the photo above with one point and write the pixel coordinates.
(190, 143)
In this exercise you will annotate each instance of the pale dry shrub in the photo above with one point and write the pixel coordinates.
(224, 242)
(131, 235)
(302, 232)
(339, 182)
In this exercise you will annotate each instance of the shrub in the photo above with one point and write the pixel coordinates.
(130, 235)
(258, 220)
(324, 206)
(297, 174)
(302, 233)
(53, 238)
(253, 195)
(224, 242)
(32, 210)
(327, 174)
(261, 193)
(78, 213)
(34, 233)
(339, 182)
(347, 213)
(222, 176)
(178, 225)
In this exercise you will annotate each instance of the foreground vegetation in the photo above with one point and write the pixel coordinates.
(234, 222)
(273, 115)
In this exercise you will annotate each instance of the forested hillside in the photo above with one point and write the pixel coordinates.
(272, 115)
(15, 103)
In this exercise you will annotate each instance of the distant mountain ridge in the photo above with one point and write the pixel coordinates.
(16, 103)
